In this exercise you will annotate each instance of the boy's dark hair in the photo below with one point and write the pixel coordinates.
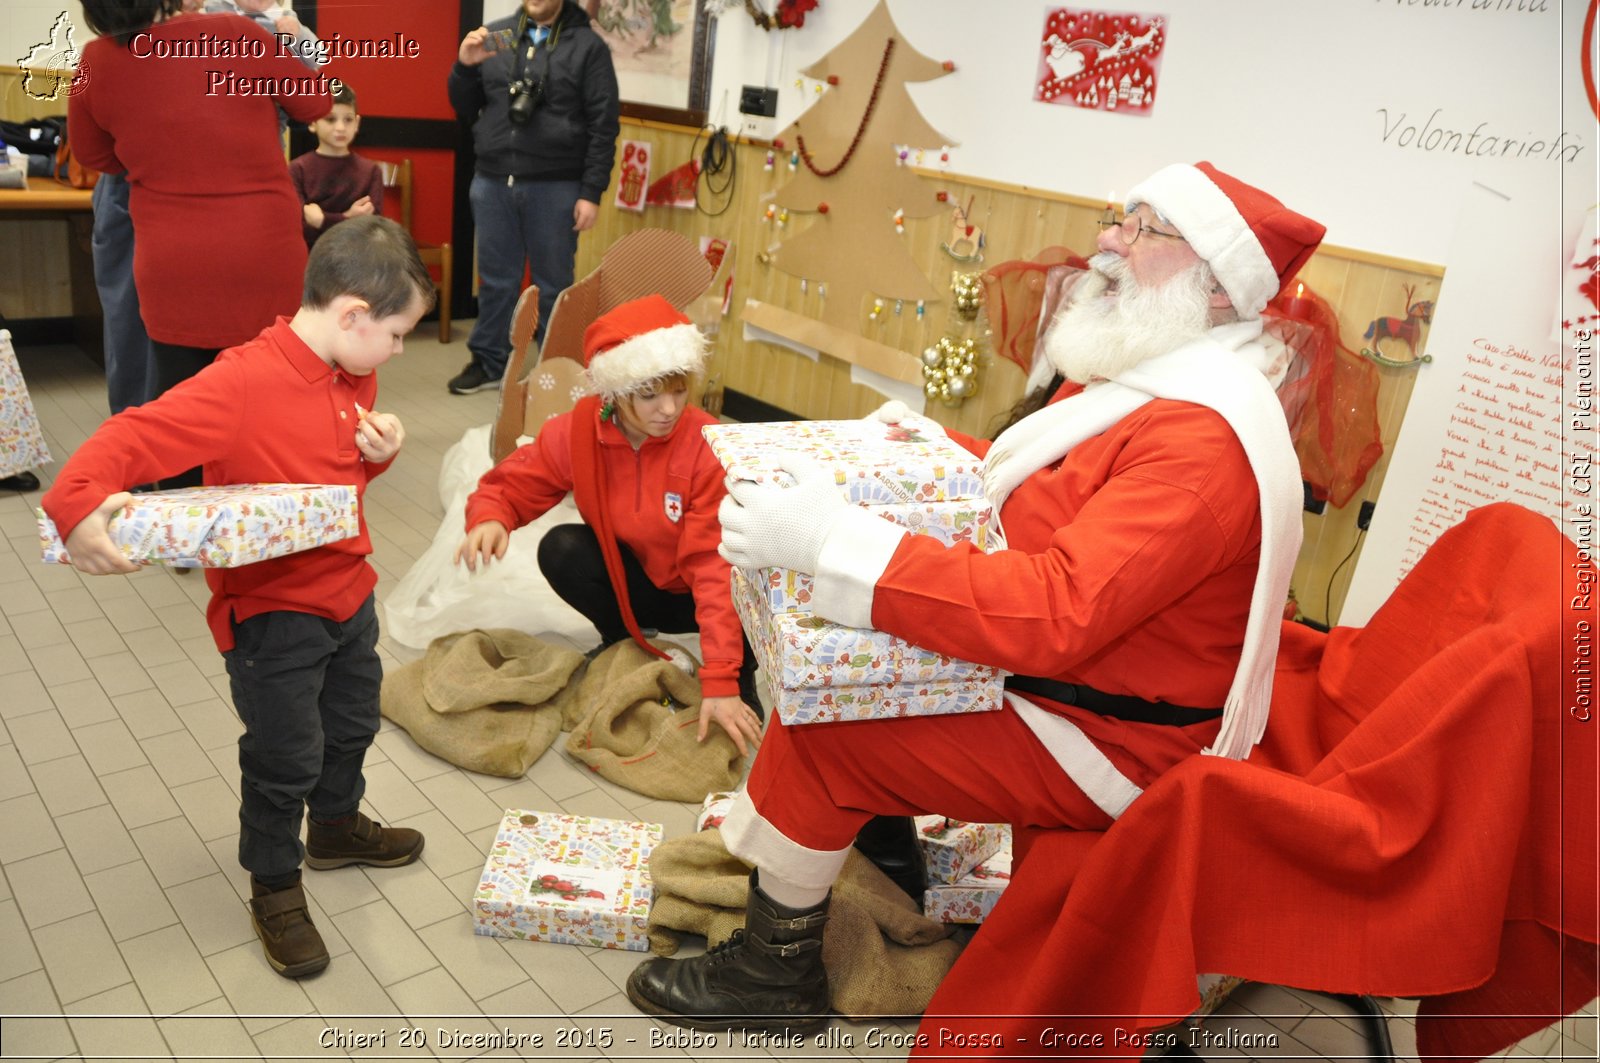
(372, 258)
(343, 93)
(123, 18)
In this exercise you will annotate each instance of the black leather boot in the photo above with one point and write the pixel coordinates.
(767, 976)
(890, 842)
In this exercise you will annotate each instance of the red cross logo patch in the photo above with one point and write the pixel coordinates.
(672, 502)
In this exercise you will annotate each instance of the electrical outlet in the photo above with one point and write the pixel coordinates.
(756, 100)
(1364, 515)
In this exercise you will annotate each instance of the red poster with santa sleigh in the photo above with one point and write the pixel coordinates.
(1100, 60)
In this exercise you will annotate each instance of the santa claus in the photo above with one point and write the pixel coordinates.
(1151, 521)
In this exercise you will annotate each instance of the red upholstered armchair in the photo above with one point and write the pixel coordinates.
(1419, 822)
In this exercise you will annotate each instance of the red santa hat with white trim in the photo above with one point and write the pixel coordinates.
(639, 343)
(1253, 243)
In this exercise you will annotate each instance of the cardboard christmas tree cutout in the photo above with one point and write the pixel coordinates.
(851, 179)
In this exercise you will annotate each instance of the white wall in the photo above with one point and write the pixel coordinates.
(1308, 99)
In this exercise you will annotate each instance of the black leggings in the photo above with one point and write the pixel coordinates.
(570, 558)
(174, 365)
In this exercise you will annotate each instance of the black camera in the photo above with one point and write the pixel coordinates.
(526, 95)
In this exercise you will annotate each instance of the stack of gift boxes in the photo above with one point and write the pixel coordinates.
(817, 671)
(576, 880)
(969, 866)
(225, 526)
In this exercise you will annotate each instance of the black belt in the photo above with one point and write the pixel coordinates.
(1119, 706)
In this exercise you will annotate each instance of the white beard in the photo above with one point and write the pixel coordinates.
(1097, 336)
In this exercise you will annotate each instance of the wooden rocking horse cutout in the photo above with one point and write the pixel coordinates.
(966, 240)
(649, 261)
(1408, 330)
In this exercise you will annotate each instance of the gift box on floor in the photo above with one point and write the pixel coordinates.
(952, 849)
(225, 526)
(22, 445)
(820, 672)
(972, 897)
(576, 880)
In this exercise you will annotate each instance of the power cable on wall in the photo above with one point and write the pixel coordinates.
(718, 167)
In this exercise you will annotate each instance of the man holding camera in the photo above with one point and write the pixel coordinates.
(541, 94)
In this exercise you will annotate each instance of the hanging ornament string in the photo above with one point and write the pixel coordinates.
(861, 130)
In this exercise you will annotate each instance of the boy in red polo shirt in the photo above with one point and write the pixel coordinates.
(299, 632)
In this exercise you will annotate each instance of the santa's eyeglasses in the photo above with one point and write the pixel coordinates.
(1131, 226)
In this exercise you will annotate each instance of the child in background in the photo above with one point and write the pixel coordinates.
(298, 632)
(333, 182)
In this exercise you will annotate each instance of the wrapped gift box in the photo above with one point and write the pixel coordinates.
(820, 672)
(949, 522)
(875, 463)
(576, 880)
(972, 897)
(925, 483)
(802, 650)
(226, 526)
(22, 445)
(953, 849)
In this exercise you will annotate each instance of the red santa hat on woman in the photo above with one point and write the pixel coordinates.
(1253, 243)
(639, 343)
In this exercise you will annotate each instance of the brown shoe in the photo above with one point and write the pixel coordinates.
(283, 923)
(359, 840)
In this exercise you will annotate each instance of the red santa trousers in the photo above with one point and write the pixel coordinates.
(816, 784)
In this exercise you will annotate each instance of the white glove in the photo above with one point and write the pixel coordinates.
(767, 525)
(896, 412)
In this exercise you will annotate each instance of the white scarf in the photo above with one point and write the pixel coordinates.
(1229, 373)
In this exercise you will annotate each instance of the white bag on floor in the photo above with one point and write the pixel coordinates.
(438, 597)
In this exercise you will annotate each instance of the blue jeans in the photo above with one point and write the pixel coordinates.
(128, 357)
(527, 224)
(307, 692)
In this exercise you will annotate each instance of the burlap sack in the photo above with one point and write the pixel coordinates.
(883, 956)
(640, 730)
(488, 701)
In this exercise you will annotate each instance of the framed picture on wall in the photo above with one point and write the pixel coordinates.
(662, 50)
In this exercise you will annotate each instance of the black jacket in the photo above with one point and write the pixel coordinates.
(572, 135)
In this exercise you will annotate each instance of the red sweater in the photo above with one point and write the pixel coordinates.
(679, 556)
(333, 182)
(217, 250)
(270, 411)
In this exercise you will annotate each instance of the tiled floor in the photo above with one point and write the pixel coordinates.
(122, 926)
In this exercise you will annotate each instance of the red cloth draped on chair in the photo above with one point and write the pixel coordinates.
(1420, 821)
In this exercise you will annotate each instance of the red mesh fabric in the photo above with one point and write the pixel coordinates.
(1333, 408)
(1013, 295)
